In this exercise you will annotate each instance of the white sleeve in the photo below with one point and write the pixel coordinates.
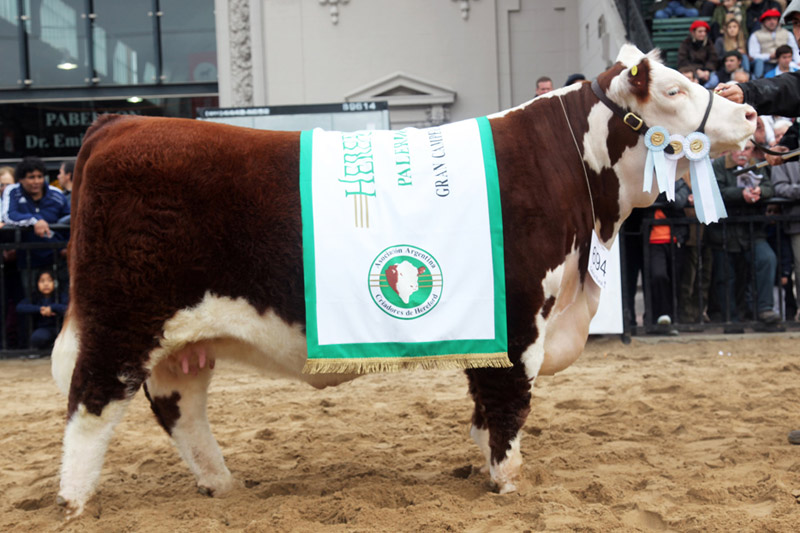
(754, 48)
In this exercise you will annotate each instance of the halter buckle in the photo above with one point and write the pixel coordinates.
(636, 126)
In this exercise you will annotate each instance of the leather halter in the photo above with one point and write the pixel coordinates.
(634, 121)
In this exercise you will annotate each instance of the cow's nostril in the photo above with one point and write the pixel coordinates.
(751, 116)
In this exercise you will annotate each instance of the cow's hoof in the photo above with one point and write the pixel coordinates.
(506, 488)
(205, 491)
(71, 509)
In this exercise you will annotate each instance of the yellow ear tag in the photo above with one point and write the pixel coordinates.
(634, 70)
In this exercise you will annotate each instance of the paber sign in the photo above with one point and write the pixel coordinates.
(56, 129)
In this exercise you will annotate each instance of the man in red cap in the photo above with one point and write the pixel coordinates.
(698, 52)
(763, 43)
(753, 12)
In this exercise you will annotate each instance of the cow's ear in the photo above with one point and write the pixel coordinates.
(639, 79)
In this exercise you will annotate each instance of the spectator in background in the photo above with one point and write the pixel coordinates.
(44, 306)
(731, 62)
(65, 184)
(740, 76)
(543, 85)
(690, 310)
(743, 195)
(574, 78)
(754, 11)
(786, 181)
(697, 52)
(707, 7)
(32, 203)
(663, 241)
(663, 9)
(688, 72)
(764, 42)
(783, 54)
(725, 11)
(792, 16)
(6, 179)
(733, 39)
(11, 283)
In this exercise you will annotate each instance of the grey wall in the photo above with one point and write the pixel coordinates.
(433, 60)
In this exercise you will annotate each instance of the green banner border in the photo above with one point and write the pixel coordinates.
(411, 349)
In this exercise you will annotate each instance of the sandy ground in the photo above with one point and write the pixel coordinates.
(653, 436)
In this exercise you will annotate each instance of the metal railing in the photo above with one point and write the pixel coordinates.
(723, 320)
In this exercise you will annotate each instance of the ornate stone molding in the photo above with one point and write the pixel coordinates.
(464, 6)
(240, 53)
(334, 8)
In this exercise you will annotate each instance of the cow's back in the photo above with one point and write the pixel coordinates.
(166, 210)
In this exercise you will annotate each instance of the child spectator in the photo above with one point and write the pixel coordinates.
(733, 39)
(784, 56)
(44, 309)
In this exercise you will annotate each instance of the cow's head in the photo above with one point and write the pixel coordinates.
(664, 97)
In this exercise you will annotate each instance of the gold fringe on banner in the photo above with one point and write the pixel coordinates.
(396, 364)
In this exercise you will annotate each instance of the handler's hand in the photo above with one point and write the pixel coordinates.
(731, 91)
(776, 160)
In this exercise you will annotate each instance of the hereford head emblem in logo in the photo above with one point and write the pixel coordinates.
(405, 281)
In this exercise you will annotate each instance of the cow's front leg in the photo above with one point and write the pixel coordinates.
(178, 390)
(502, 403)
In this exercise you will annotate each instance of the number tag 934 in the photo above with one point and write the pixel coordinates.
(598, 261)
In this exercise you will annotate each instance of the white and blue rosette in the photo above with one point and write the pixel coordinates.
(657, 139)
(708, 203)
(676, 142)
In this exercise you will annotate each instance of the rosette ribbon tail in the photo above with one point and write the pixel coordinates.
(656, 140)
(665, 184)
(708, 203)
(648, 172)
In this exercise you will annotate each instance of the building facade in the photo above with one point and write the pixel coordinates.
(434, 61)
(65, 61)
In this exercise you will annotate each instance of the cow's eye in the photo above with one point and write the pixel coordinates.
(673, 91)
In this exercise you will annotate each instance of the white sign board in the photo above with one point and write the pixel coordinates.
(608, 318)
(346, 116)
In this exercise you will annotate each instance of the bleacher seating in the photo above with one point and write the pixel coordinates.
(668, 35)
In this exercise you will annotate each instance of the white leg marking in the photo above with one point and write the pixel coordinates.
(65, 353)
(506, 472)
(481, 438)
(192, 434)
(85, 443)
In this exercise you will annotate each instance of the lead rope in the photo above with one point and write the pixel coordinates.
(583, 163)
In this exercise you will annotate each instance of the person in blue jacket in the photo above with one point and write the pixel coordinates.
(44, 308)
(30, 202)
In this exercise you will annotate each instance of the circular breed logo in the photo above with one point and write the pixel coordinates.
(405, 281)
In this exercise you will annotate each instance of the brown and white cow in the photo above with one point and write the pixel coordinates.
(186, 246)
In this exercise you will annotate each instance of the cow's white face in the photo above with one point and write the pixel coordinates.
(664, 97)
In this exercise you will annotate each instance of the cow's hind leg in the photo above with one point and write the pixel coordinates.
(502, 403)
(98, 397)
(177, 389)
